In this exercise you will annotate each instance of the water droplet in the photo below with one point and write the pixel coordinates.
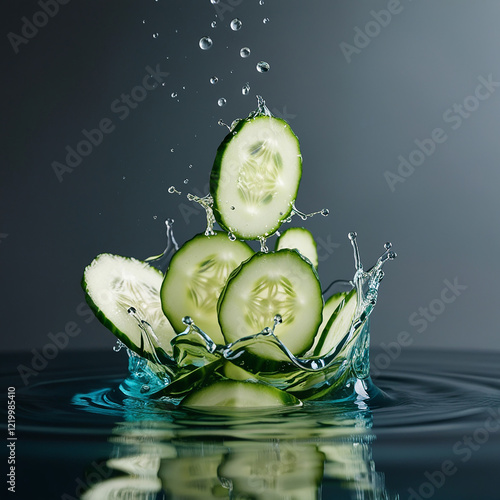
(190, 166)
(352, 235)
(261, 2)
(172, 190)
(221, 102)
(205, 43)
(232, 208)
(131, 310)
(244, 52)
(267, 331)
(325, 212)
(123, 177)
(187, 320)
(143, 21)
(231, 237)
(245, 89)
(214, 80)
(156, 35)
(265, 20)
(171, 150)
(155, 217)
(145, 388)
(186, 181)
(214, 24)
(263, 67)
(236, 24)
(392, 255)
(388, 245)
(215, 2)
(173, 95)
(278, 319)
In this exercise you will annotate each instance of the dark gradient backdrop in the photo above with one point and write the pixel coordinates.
(357, 101)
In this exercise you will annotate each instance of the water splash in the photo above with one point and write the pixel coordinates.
(161, 261)
(172, 190)
(207, 203)
(295, 211)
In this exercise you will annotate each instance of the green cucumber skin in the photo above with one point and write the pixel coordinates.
(350, 296)
(215, 175)
(259, 255)
(122, 337)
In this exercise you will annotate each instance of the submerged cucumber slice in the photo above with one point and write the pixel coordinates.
(112, 284)
(338, 325)
(193, 282)
(301, 239)
(255, 177)
(268, 284)
(233, 394)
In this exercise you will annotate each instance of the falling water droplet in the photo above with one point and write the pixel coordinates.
(388, 245)
(156, 35)
(155, 217)
(325, 212)
(214, 24)
(261, 2)
(236, 24)
(186, 181)
(214, 80)
(131, 310)
(278, 319)
(205, 43)
(215, 2)
(221, 102)
(263, 67)
(144, 21)
(245, 89)
(265, 20)
(232, 207)
(171, 150)
(190, 166)
(173, 95)
(244, 52)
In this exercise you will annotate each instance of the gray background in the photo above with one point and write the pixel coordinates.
(353, 119)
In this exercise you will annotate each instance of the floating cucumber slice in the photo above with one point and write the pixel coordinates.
(268, 284)
(112, 285)
(255, 177)
(338, 325)
(233, 394)
(197, 273)
(301, 239)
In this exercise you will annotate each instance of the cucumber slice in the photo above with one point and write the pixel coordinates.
(301, 239)
(328, 309)
(273, 283)
(112, 284)
(338, 325)
(197, 273)
(255, 177)
(233, 394)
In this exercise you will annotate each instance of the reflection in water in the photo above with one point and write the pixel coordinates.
(297, 454)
